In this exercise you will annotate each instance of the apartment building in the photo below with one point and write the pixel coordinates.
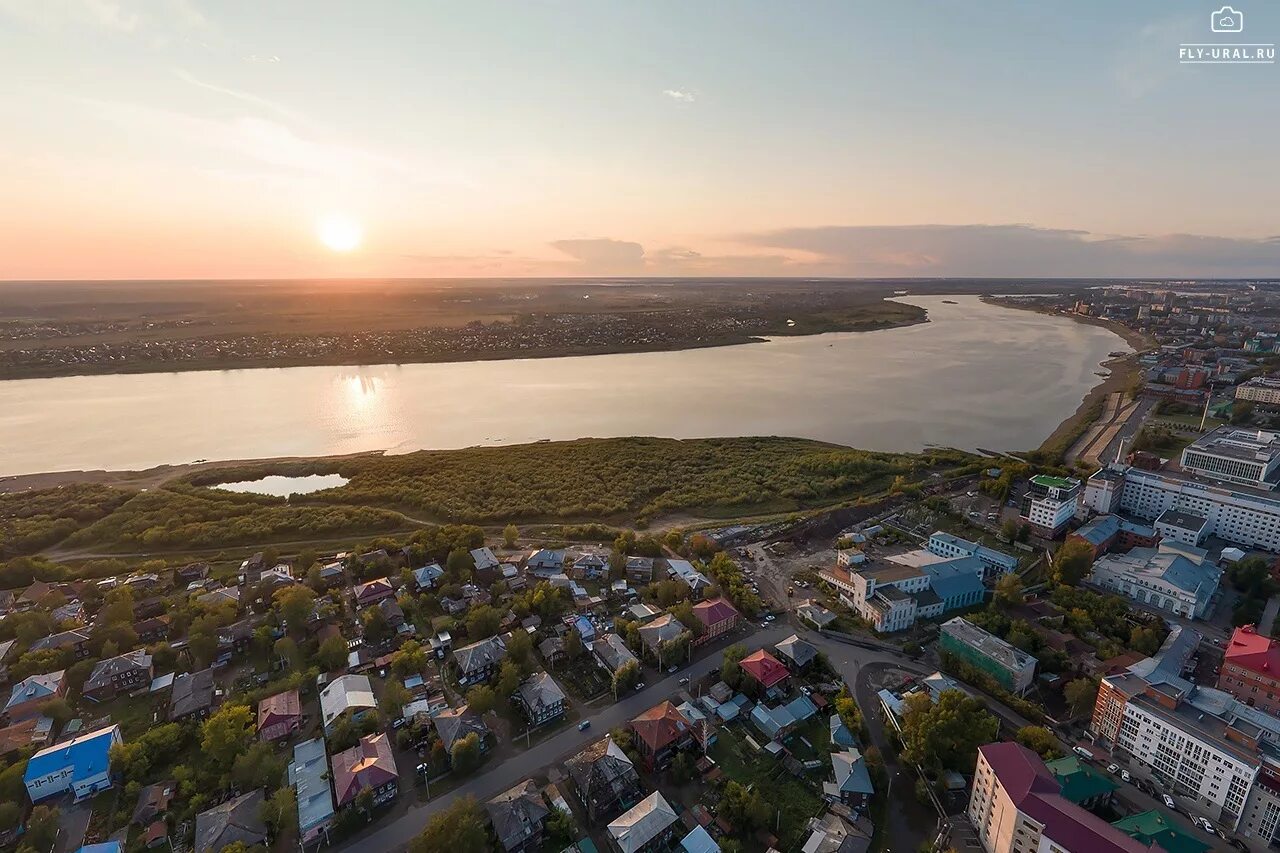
(1172, 576)
(1017, 807)
(1010, 666)
(995, 562)
(1251, 670)
(1261, 389)
(1199, 742)
(1049, 504)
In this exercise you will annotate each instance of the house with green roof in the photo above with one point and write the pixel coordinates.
(1081, 783)
(1155, 828)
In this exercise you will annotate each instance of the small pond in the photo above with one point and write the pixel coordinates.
(282, 487)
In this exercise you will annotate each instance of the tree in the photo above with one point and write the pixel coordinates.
(482, 622)
(226, 734)
(946, 735)
(746, 810)
(257, 767)
(409, 659)
(1072, 562)
(461, 828)
(375, 624)
(1080, 694)
(42, 829)
(280, 812)
(332, 653)
(573, 647)
(117, 608)
(626, 677)
(1039, 740)
(508, 680)
(850, 713)
(459, 565)
(559, 829)
(1146, 640)
(10, 816)
(481, 698)
(510, 534)
(364, 801)
(394, 697)
(520, 647)
(295, 604)
(1009, 530)
(1241, 412)
(1009, 591)
(730, 669)
(287, 650)
(465, 755)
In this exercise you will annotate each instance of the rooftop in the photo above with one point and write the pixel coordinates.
(1183, 519)
(1252, 651)
(1235, 443)
(988, 644)
(1050, 482)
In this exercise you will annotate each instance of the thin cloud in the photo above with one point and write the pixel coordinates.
(681, 95)
(247, 97)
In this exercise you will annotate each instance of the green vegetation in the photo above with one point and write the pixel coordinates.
(461, 828)
(946, 735)
(788, 802)
(1252, 578)
(1072, 562)
(1039, 740)
(603, 478)
(30, 521)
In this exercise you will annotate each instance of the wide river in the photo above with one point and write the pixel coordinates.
(975, 376)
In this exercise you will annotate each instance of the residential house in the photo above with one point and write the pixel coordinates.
(778, 723)
(81, 766)
(766, 671)
(238, 819)
(831, 833)
(606, 780)
(699, 723)
(309, 777)
(222, 595)
(647, 826)
(479, 662)
(852, 785)
(664, 629)
(75, 639)
(590, 567)
(333, 575)
(484, 560)
(683, 571)
(28, 696)
(72, 611)
(192, 695)
(552, 650)
(153, 802)
(518, 815)
(611, 652)
(346, 695)
(124, 673)
(190, 573)
(640, 569)
(392, 612)
(426, 577)
(544, 563)
(699, 841)
(718, 617)
(24, 734)
(659, 733)
(372, 592)
(235, 638)
(279, 715)
(541, 699)
(369, 764)
(456, 723)
(796, 653)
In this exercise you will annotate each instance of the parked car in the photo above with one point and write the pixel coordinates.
(422, 768)
(1083, 753)
(672, 668)
(1113, 768)
(640, 686)
(1124, 775)
(1169, 803)
(398, 722)
(684, 680)
(584, 725)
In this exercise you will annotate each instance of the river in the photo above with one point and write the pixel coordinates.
(976, 375)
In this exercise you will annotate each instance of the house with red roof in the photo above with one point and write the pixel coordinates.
(717, 616)
(1251, 669)
(660, 732)
(279, 715)
(368, 764)
(1017, 804)
(766, 671)
(373, 592)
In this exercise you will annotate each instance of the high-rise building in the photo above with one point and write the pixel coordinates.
(1050, 503)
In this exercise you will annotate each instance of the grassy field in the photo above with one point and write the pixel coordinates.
(794, 801)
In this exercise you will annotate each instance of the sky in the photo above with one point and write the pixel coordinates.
(229, 139)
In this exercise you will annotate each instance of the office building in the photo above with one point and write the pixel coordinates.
(892, 594)
(1241, 456)
(995, 562)
(1049, 504)
(1251, 670)
(1264, 390)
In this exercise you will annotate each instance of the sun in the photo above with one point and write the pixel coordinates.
(339, 233)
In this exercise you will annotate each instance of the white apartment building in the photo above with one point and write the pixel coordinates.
(1102, 491)
(1199, 742)
(1261, 389)
(1246, 517)
(1050, 502)
(1174, 577)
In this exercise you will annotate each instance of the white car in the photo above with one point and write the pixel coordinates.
(1124, 774)
(1204, 824)
(1113, 768)
(769, 618)
(1169, 803)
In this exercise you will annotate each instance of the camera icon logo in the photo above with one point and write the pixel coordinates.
(1226, 20)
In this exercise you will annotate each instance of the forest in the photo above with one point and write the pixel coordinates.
(30, 521)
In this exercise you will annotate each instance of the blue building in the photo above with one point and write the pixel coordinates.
(81, 765)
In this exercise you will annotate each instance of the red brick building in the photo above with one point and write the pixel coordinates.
(765, 670)
(718, 616)
(659, 733)
(1251, 669)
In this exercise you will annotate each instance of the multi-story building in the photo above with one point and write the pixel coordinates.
(369, 764)
(1010, 666)
(121, 674)
(718, 617)
(1178, 525)
(1260, 389)
(1241, 456)
(606, 779)
(1198, 742)
(541, 699)
(948, 545)
(1050, 503)
(1172, 576)
(1017, 807)
(1251, 670)
(1107, 533)
(893, 593)
(1245, 516)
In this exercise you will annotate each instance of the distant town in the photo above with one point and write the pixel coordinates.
(1067, 649)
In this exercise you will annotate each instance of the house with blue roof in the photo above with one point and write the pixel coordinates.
(104, 847)
(852, 785)
(777, 723)
(1174, 577)
(426, 577)
(840, 734)
(309, 776)
(956, 584)
(81, 765)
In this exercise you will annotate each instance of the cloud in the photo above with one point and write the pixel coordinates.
(1015, 251)
(602, 253)
(681, 95)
